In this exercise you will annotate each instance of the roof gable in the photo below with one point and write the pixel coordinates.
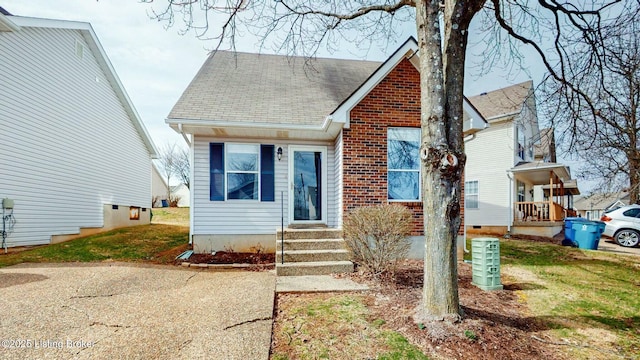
(500, 103)
(406, 50)
(101, 57)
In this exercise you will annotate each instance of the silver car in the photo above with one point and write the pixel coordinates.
(623, 225)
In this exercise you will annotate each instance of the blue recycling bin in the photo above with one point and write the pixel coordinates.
(569, 233)
(587, 234)
(165, 203)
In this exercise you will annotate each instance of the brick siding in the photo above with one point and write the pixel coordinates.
(394, 102)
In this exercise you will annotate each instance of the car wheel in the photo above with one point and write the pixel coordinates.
(627, 238)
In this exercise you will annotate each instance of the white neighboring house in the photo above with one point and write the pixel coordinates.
(159, 187)
(160, 191)
(74, 154)
(511, 167)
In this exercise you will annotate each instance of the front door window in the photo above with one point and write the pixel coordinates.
(307, 185)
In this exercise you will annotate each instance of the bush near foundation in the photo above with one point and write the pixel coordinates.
(377, 236)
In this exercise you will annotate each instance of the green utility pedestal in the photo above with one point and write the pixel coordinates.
(485, 260)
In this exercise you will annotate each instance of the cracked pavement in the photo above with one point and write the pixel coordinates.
(128, 311)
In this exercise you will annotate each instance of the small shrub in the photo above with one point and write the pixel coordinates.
(156, 201)
(174, 200)
(377, 236)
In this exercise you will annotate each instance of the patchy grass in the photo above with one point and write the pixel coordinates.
(329, 326)
(588, 298)
(171, 216)
(147, 243)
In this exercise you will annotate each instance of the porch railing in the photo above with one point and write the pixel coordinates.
(525, 211)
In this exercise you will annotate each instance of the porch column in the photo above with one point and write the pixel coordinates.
(552, 208)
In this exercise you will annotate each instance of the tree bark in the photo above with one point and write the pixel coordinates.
(442, 148)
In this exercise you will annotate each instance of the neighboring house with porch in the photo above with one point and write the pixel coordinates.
(74, 154)
(275, 143)
(513, 183)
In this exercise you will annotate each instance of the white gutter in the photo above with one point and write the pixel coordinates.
(503, 115)
(249, 124)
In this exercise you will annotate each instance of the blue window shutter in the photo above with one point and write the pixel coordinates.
(267, 178)
(216, 169)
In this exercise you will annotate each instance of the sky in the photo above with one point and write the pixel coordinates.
(155, 64)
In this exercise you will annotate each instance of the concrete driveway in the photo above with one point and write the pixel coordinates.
(609, 245)
(123, 311)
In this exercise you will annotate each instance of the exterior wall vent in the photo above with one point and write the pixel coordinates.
(79, 50)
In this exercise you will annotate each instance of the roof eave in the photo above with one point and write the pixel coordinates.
(327, 130)
(101, 57)
(6, 25)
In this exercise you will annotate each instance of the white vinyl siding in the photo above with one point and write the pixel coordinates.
(248, 217)
(68, 145)
(489, 156)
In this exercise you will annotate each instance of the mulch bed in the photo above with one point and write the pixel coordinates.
(496, 324)
(228, 257)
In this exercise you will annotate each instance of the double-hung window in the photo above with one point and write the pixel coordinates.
(242, 167)
(241, 172)
(403, 164)
(471, 195)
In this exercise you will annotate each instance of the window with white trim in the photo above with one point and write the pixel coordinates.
(471, 195)
(242, 168)
(241, 172)
(403, 164)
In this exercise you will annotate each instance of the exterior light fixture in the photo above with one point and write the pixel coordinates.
(279, 153)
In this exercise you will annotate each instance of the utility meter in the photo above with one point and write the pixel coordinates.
(7, 203)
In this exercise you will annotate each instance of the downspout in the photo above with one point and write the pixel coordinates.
(191, 175)
(464, 228)
(508, 234)
(184, 136)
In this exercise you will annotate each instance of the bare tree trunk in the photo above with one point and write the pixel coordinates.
(442, 148)
(440, 291)
(634, 177)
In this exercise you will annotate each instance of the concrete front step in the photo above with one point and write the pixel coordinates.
(313, 268)
(292, 234)
(311, 244)
(313, 255)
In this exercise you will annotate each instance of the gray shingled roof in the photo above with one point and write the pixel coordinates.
(504, 101)
(244, 87)
(600, 201)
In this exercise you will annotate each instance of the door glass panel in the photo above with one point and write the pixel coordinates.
(307, 191)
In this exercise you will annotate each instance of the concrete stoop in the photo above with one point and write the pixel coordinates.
(311, 252)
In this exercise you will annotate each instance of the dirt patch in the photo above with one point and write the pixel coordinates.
(496, 324)
(227, 257)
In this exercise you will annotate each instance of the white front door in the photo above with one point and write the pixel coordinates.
(307, 184)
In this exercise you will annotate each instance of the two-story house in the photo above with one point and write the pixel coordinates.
(75, 156)
(512, 181)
